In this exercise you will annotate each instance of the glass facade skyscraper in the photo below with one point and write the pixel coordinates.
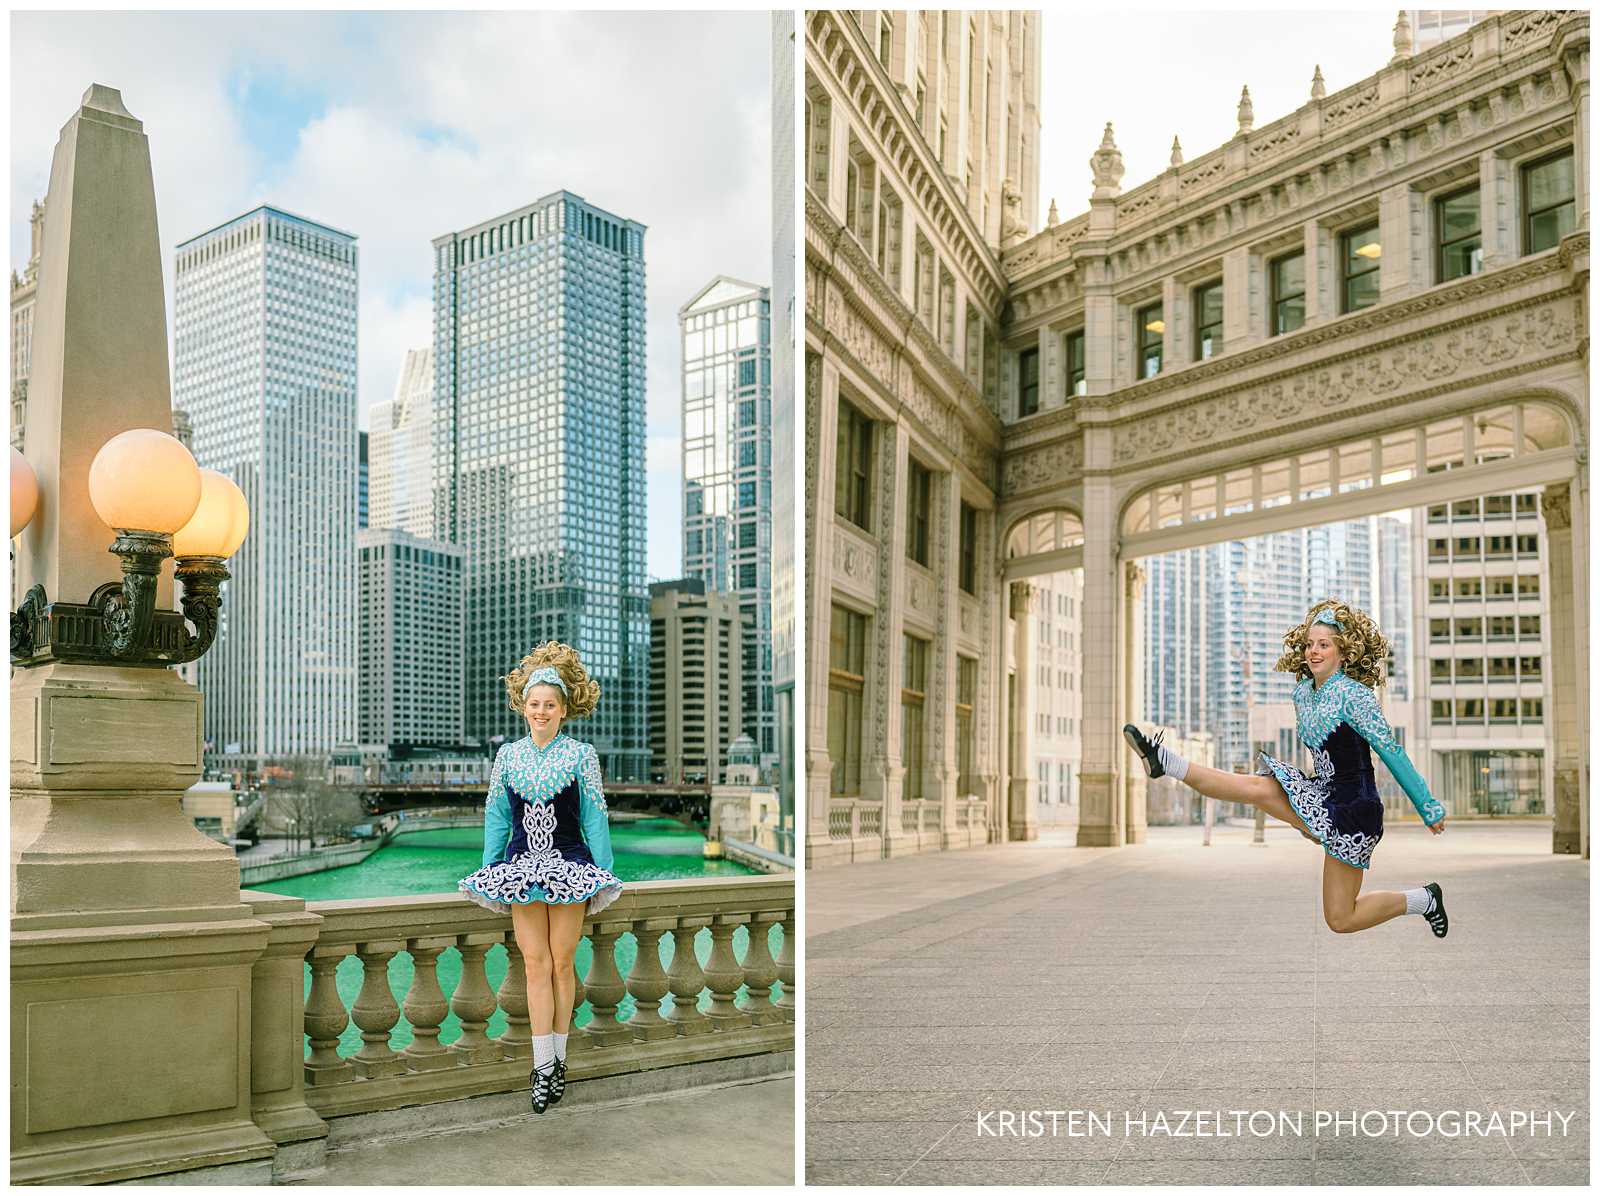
(539, 457)
(264, 362)
(727, 473)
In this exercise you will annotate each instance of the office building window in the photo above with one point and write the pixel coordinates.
(1207, 321)
(1460, 232)
(1548, 201)
(966, 742)
(847, 667)
(852, 492)
(1149, 328)
(1077, 364)
(969, 549)
(1288, 293)
(1359, 251)
(1028, 382)
(913, 699)
(919, 508)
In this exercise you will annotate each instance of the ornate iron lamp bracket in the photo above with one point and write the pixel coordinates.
(127, 609)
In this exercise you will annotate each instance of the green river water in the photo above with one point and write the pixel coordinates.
(432, 862)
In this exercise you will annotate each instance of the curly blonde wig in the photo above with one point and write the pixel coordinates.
(583, 693)
(1360, 643)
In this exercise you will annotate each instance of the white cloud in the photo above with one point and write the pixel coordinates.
(433, 122)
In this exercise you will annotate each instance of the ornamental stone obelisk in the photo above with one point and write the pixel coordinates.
(132, 954)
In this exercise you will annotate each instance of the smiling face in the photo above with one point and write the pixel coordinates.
(544, 709)
(1322, 654)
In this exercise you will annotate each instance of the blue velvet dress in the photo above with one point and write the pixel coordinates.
(1338, 722)
(545, 834)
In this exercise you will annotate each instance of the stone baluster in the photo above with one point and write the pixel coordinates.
(516, 1041)
(647, 981)
(326, 1018)
(605, 988)
(376, 1012)
(687, 979)
(760, 970)
(785, 1000)
(723, 973)
(425, 1006)
(473, 1002)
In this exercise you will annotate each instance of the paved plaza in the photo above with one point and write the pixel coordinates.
(1173, 977)
(740, 1133)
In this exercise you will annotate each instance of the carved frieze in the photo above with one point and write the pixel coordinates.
(1455, 353)
(1048, 465)
(855, 564)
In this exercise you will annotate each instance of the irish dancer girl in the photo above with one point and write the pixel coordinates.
(1338, 653)
(547, 848)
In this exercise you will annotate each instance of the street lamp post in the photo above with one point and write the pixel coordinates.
(133, 951)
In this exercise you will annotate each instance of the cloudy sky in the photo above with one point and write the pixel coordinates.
(401, 127)
(1156, 75)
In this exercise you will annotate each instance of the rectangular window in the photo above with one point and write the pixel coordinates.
(1528, 626)
(1469, 629)
(1149, 328)
(1439, 668)
(1028, 382)
(913, 700)
(919, 507)
(1548, 201)
(852, 492)
(1288, 293)
(888, 242)
(847, 667)
(1469, 709)
(1441, 711)
(1532, 668)
(969, 549)
(1207, 321)
(1527, 585)
(1359, 251)
(1469, 668)
(1460, 233)
(966, 743)
(885, 38)
(1533, 709)
(1077, 364)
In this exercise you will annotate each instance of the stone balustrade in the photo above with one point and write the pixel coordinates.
(742, 1015)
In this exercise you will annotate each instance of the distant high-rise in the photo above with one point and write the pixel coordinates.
(1394, 599)
(727, 473)
(402, 450)
(539, 456)
(410, 639)
(24, 290)
(784, 528)
(362, 483)
(264, 361)
(695, 684)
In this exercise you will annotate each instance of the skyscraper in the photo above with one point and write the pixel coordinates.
(784, 528)
(264, 361)
(410, 639)
(402, 450)
(539, 456)
(727, 473)
(362, 482)
(24, 290)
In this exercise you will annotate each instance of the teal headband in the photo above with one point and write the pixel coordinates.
(1325, 615)
(544, 676)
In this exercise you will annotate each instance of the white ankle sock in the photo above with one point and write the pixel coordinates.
(1419, 901)
(561, 1047)
(544, 1051)
(1174, 765)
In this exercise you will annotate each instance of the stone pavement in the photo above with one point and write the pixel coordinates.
(740, 1133)
(1172, 977)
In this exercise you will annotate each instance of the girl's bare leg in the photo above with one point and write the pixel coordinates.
(566, 927)
(532, 928)
(1343, 910)
(1263, 792)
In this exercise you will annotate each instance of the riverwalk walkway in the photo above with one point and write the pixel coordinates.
(1173, 977)
(734, 1133)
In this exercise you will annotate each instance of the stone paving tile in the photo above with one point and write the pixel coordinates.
(1166, 1148)
(855, 1172)
(1565, 1172)
(875, 1140)
(863, 1107)
(1210, 1172)
(1400, 1169)
(949, 1171)
(966, 1143)
(1491, 1075)
(929, 1079)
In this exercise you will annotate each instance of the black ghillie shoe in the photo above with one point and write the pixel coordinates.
(559, 1082)
(540, 1083)
(1437, 919)
(1146, 749)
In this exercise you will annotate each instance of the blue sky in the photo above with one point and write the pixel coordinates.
(398, 127)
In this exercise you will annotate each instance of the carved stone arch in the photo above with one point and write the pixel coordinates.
(1042, 540)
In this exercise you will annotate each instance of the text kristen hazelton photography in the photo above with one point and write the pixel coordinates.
(1197, 555)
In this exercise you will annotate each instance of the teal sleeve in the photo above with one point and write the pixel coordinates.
(596, 828)
(496, 816)
(1363, 713)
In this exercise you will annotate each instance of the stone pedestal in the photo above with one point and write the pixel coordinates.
(131, 953)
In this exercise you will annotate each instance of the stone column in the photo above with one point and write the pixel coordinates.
(1176, 342)
(884, 773)
(1022, 821)
(1575, 60)
(1403, 266)
(989, 714)
(1496, 209)
(1321, 275)
(1137, 803)
(822, 424)
(277, 1007)
(1238, 314)
(943, 766)
(131, 952)
(1565, 664)
(1100, 821)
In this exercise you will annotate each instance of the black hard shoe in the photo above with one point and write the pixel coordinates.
(559, 1083)
(540, 1084)
(1146, 749)
(1437, 919)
